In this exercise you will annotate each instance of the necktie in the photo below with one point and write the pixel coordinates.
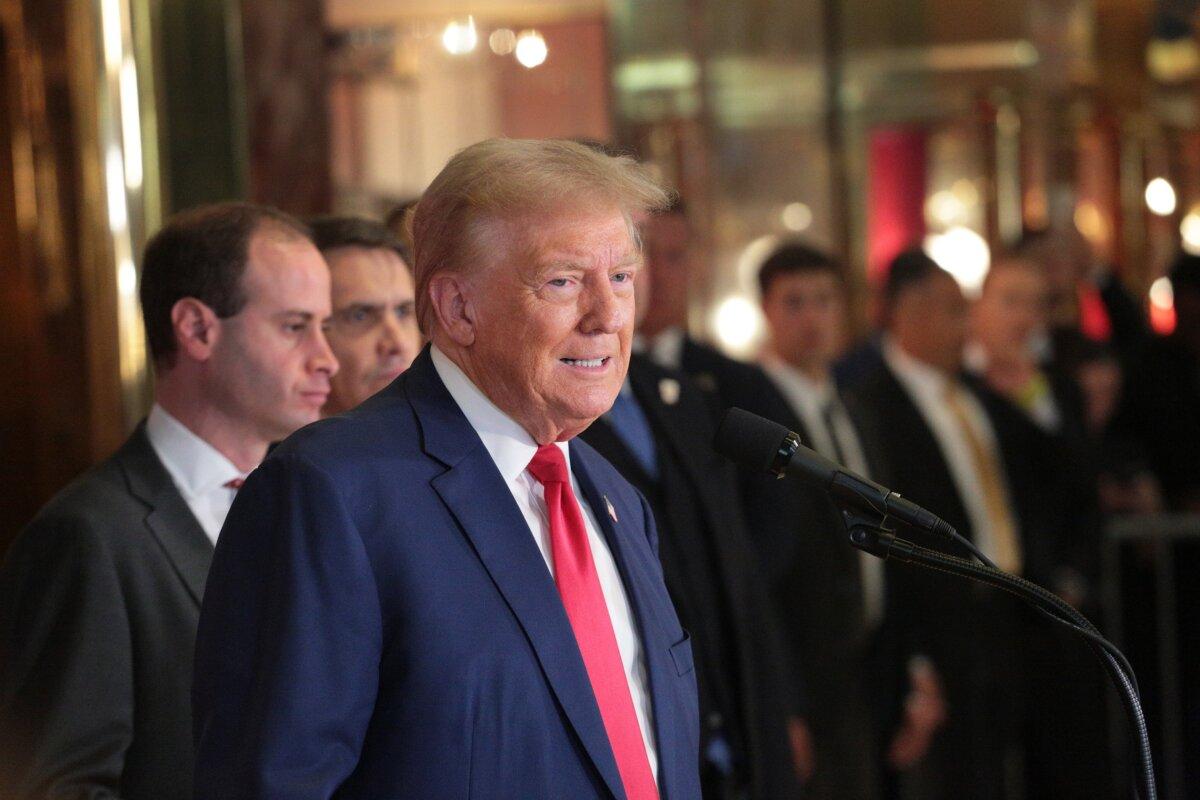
(579, 586)
(633, 429)
(234, 483)
(827, 412)
(1003, 529)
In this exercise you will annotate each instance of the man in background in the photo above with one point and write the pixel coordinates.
(100, 595)
(373, 331)
(658, 435)
(953, 447)
(832, 595)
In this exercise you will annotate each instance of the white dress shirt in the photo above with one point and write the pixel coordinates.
(927, 386)
(809, 399)
(197, 469)
(512, 448)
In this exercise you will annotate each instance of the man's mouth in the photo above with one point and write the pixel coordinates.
(586, 362)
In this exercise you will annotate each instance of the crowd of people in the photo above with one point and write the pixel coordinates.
(820, 671)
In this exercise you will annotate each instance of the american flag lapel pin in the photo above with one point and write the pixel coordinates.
(612, 512)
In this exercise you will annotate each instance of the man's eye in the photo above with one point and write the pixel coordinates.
(360, 315)
(296, 327)
(560, 282)
(623, 277)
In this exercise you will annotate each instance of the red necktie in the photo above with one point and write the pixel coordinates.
(579, 586)
(234, 483)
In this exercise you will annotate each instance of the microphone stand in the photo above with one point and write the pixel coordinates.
(867, 533)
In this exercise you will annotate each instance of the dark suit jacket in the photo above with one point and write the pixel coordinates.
(99, 599)
(973, 633)
(379, 622)
(850, 678)
(711, 573)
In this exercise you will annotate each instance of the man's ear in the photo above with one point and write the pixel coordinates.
(197, 328)
(453, 306)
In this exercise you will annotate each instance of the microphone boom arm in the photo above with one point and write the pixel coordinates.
(866, 532)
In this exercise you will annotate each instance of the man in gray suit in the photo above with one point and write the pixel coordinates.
(100, 595)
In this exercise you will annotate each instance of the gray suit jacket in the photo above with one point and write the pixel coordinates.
(99, 600)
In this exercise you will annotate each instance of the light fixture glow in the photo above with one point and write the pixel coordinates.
(1189, 230)
(110, 23)
(131, 125)
(964, 189)
(1160, 197)
(531, 49)
(1162, 294)
(737, 323)
(502, 41)
(1090, 222)
(964, 254)
(127, 278)
(797, 217)
(944, 208)
(114, 178)
(460, 37)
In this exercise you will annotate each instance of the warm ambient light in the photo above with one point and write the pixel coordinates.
(1162, 306)
(964, 254)
(460, 38)
(531, 49)
(797, 217)
(737, 323)
(502, 41)
(1189, 230)
(1162, 294)
(1160, 197)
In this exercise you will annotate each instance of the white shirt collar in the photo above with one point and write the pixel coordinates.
(510, 446)
(785, 373)
(916, 375)
(975, 357)
(195, 466)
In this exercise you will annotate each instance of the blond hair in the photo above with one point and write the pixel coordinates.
(500, 179)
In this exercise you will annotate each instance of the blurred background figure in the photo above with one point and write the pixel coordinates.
(373, 330)
(658, 436)
(831, 595)
(1162, 394)
(948, 446)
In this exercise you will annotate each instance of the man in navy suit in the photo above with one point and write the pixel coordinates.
(441, 594)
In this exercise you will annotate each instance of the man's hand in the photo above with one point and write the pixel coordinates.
(924, 713)
(803, 755)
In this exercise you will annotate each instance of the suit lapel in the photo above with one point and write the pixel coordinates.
(169, 519)
(638, 574)
(669, 424)
(474, 492)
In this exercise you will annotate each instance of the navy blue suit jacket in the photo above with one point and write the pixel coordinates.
(379, 623)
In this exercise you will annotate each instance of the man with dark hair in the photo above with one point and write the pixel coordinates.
(374, 328)
(963, 452)
(100, 595)
(831, 595)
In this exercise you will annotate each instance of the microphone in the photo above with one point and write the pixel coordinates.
(760, 444)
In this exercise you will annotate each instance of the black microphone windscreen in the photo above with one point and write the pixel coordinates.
(748, 439)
